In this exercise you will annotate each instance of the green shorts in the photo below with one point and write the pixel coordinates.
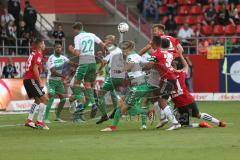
(86, 72)
(111, 84)
(55, 87)
(135, 93)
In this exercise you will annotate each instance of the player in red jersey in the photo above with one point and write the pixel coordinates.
(185, 102)
(158, 30)
(163, 60)
(34, 86)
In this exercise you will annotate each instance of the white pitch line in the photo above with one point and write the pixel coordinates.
(10, 125)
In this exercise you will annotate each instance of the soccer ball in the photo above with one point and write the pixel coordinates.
(123, 27)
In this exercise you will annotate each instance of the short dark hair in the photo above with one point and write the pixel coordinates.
(27, 2)
(157, 40)
(159, 26)
(38, 41)
(165, 43)
(78, 26)
(57, 43)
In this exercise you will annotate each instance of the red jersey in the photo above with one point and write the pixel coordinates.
(173, 44)
(182, 97)
(163, 64)
(34, 58)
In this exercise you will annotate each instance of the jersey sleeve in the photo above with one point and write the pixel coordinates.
(37, 59)
(97, 39)
(107, 58)
(66, 59)
(174, 41)
(77, 43)
(50, 63)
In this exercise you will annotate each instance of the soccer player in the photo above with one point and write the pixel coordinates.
(114, 77)
(185, 103)
(55, 86)
(84, 48)
(174, 47)
(168, 78)
(34, 86)
(138, 89)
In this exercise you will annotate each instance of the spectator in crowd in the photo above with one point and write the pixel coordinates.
(171, 25)
(198, 31)
(172, 7)
(12, 35)
(30, 17)
(202, 2)
(14, 8)
(3, 33)
(223, 16)
(24, 38)
(188, 79)
(9, 71)
(221, 1)
(59, 34)
(6, 17)
(140, 5)
(234, 13)
(185, 33)
(210, 15)
(150, 8)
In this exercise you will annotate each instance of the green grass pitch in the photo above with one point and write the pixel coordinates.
(84, 141)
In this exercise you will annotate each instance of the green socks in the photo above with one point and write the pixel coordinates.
(48, 108)
(60, 107)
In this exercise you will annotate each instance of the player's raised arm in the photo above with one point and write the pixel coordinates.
(145, 49)
(184, 62)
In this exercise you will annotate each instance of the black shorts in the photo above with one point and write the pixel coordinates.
(184, 113)
(33, 88)
(166, 87)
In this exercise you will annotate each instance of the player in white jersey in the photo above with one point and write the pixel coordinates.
(114, 77)
(86, 72)
(55, 86)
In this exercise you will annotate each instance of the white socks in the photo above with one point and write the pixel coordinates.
(33, 110)
(41, 112)
(159, 111)
(168, 112)
(208, 117)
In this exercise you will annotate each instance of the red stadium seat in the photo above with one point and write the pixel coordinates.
(238, 7)
(164, 2)
(218, 29)
(194, 27)
(230, 29)
(179, 19)
(222, 40)
(200, 19)
(162, 10)
(238, 29)
(191, 2)
(164, 19)
(218, 7)
(184, 10)
(190, 20)
(234, 40)
(196, 10)
(207, 30)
